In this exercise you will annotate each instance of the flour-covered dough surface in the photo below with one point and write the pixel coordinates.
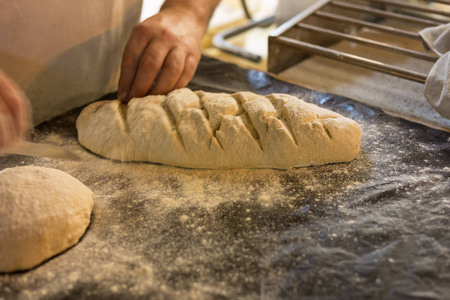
(43, 212)
(211, 130)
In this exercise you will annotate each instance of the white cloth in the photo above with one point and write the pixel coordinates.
(437, 86)
(64, 54)
(437, 38)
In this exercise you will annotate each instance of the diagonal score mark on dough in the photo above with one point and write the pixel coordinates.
(289, 132)
(287, 122)
(215, 120)
(172, 121)
(217, 140)
(245, 117)
(123, 109)
(325, 129)
(213, 131)
(214, 136)
(241, 98)
(251, 128)
(284, 119)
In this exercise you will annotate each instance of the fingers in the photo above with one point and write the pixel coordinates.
(151, 62)
(175, 71)
(130, 60)
(188, 72)
(171, 72)
(15, 116)
(19, 110)
(7, 127)
(161, 55)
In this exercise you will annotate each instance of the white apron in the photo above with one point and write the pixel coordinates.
(64, 53)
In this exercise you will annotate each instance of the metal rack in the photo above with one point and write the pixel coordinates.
(327, 22)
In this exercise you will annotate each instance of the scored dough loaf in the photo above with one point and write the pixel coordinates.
(217, 131)
(43, 212)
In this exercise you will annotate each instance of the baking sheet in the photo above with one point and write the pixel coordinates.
(377, 227)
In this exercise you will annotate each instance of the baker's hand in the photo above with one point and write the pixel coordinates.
(165, 48)
(14, 114)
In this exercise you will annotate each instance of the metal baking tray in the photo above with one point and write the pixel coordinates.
(327, 22)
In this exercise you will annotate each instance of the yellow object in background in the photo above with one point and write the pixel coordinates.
(231, 14)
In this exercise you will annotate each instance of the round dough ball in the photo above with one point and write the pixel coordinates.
(43, 212)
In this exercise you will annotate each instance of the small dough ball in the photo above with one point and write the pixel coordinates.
(43, 212)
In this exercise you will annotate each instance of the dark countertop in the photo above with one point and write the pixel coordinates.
(377, 227)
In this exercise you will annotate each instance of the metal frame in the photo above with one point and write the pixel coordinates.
(220, 39)
(330, 21)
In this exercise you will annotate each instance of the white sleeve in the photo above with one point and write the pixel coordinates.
(64, 54)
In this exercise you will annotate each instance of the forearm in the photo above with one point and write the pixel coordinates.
(201, 10)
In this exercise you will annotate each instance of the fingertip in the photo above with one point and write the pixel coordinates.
(188, 74)
(125, 84)
(130, 96)
(25, 131)
(170, 74)
(123, 96)
(129, 67)
(26, 118)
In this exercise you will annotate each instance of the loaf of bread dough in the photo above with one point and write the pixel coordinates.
(43, 212)
(217, 131)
